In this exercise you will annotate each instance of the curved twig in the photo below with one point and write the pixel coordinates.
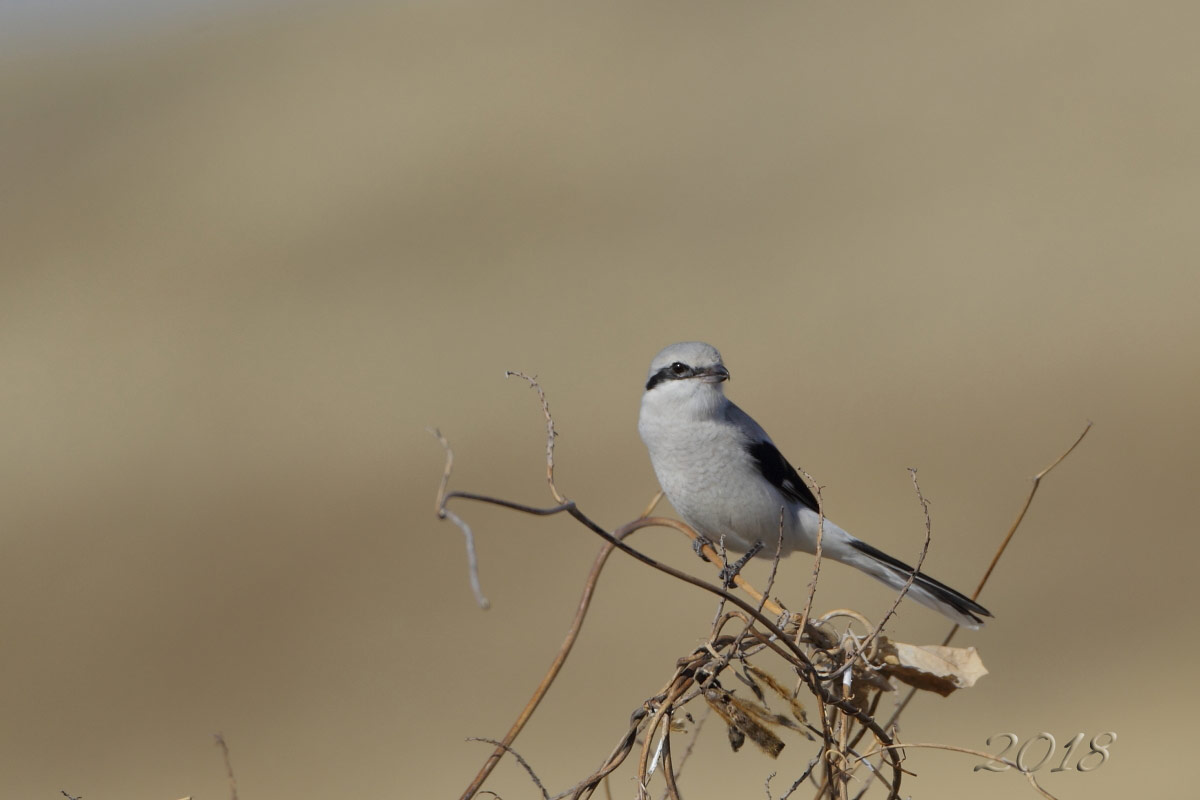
(532, 775)
(585, 601)
(862, 648)
(954, 749)
(445, 513)
(812, 585)
(1037, 479)
(551, 433)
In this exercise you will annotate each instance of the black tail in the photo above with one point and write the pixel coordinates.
(926, 590)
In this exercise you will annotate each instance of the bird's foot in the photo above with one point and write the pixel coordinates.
(730, 571)
(699, 543)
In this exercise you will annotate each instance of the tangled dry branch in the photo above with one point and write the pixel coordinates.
(842, 669)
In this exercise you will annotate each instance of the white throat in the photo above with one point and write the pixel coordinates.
(683, 401)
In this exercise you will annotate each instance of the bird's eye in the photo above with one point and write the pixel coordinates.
(679, 368)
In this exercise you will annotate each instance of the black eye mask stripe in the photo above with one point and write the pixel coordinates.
(663, 374)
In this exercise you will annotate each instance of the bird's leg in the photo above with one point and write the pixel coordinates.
(699, 543)
(731, 570)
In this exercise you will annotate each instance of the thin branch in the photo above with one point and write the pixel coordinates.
(770, 583)
(523, 508)
(685, 577)
(870, 712)
(564, 650)
(706, 549)
(687, 753)
(532, 775)
(812, 586)
(653, 503)
(585, 787)
(445, 513)
(1037, 480)
(954, 749)
(803, 777)
(551, 433)
(912, 692)
(220, 742)
(679, 684)
(875, 773)
(585, 601)
(669, 774)
(658, 751)
(912, 576)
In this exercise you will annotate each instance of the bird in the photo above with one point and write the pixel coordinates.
(728, 481)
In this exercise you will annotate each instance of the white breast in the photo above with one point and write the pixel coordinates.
(703, 466)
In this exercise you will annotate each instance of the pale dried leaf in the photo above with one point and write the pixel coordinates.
(931, 667)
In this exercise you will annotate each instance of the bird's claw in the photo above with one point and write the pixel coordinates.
(730, 571)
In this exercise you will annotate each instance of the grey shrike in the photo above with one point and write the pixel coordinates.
(726, 478)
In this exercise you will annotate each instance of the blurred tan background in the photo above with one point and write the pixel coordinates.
(248, 258)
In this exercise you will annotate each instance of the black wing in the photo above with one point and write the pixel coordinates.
(775, 468)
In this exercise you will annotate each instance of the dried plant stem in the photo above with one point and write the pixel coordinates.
(585, 601)
(652, 505)
(954, 749)
(697, 674)
(863, 648)
(669, 773)
(219, 738)
(445, 513)
(532, 775)
(551, 433)
(1037, 479)
(812, 586)
(766, 592)
(679, 685)
(780, 639)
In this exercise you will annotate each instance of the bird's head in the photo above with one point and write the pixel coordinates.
(686, 373)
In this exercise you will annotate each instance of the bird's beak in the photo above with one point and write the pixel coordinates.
(717, 374)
